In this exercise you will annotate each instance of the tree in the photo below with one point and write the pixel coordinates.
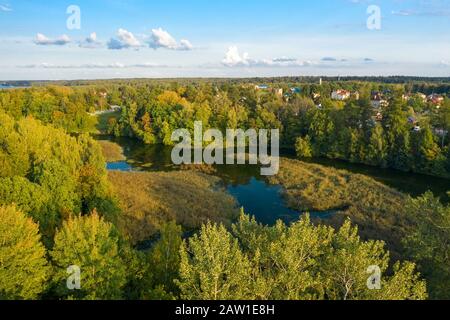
(344, 271)
(93, 245)
(304, 261)
(425, 150)
(164, 258)
(24, 270)
(376, 150)
(213, 267)
(428, 242)
(303, 147)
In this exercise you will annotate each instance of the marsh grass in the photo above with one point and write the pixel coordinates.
(148, 200)
(111, 151)
(378, 209)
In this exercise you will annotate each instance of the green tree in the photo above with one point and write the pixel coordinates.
(428, 242)
(345, 271)
(23, 267)
(164, 258)
(213, 267)
(93, 245)
(303, 147)
(376, 150)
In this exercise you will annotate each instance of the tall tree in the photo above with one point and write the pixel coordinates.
(24, 270)
(428, 242)
(93, 245)
(213, 267)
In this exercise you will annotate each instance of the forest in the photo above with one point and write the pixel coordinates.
(60, 207)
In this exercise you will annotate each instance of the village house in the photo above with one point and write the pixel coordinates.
(341, 95)
(278, 92)
(435, 99)
(378, 100)
(377, 104)
(261, 87)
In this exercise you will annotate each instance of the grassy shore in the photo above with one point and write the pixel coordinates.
(148, 200)
(111, 151)
(375, 207)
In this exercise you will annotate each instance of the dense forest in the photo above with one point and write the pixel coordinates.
(59, 208)
(409, 135)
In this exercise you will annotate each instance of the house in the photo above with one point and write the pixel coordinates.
(340, 95)
(278, 92)
(379, 116)
(261, 87)
(377, 104)
(377, 96)
(435, 99)
(295, 90)
(378, 100)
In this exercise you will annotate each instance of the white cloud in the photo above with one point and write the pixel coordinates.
(234, 59)
(45, 41)
(124, 40)
(162, 39)
(5, 8)
(91, 42)
(185, 45)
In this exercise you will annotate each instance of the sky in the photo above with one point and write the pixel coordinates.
(101, 39)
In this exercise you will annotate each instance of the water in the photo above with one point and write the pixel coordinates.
(258, 197)
(119, 166)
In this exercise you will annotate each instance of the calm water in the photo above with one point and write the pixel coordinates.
(261, 199)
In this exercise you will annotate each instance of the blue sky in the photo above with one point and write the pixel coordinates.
(138, 38)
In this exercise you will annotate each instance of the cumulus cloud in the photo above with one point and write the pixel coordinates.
(124, 40)
(91, 42)
(116, 65)
(162, 39)
(5, 8)
(234, 59)
(45, 41)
